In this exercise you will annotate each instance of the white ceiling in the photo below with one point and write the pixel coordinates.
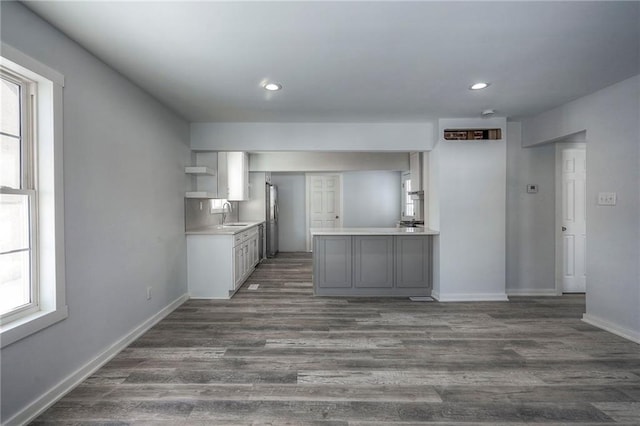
(358, 61)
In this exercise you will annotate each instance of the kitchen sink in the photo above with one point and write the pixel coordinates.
(236, 224)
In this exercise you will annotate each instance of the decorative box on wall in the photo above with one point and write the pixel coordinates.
(472, 134)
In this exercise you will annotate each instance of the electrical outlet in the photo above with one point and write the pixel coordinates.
(148, 293)
(606, 198)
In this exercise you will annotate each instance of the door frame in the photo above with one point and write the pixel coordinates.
(307, 202)
(558, 213)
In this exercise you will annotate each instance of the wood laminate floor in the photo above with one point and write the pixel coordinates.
(280, 356)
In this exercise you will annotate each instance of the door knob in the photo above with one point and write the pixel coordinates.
(564, 228)
(337, 217)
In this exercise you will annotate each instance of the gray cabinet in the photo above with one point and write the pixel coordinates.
(373, 261)
(413, 261)
(332, 262)
(245, 255)
(372, 265)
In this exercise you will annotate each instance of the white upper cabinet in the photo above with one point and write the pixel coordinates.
(223, 175)
(415, 165)
(238, 176)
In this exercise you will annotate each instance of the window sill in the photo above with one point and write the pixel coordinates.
(29, 324)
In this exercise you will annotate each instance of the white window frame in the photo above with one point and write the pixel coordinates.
(28, 93)
(405, 198)
(48, 198)
(34, 288)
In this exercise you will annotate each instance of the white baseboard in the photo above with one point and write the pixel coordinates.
(532, 292)
(616, 329)
(209, 298)
(50, 397)
(470, 297)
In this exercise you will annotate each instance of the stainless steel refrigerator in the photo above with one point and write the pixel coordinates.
(272, 220)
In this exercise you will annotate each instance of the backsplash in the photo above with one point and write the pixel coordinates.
(197, 214)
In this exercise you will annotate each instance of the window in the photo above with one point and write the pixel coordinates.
(18, 200)
(32, 279)
(408, 208)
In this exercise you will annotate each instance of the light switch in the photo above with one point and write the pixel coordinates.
(606, 198)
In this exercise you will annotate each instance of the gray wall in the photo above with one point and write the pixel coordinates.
(328, 161)
(291, 194)
(471, 198)
(124, 181)
(530, 217)
(371, 198)
(406, 136)
(611, 120)
(198, 213)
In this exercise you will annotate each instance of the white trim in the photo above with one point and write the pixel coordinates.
(50, 397)
(24, 326)
(209, 298)
(616, 329)
(533, 292)
(470, 297)
(30, 65)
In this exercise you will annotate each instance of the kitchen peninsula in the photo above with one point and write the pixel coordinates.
(392, 262)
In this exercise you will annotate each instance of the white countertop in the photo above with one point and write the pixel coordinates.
(373, 231)
(227, 229)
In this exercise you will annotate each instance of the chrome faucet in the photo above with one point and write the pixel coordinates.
(224, 214)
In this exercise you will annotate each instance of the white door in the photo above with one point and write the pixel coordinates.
(573, 225)
(324, 201)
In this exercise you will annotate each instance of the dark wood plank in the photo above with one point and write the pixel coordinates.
(278, 355)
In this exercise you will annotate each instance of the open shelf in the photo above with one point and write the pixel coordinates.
(200, 170)
(200, 194)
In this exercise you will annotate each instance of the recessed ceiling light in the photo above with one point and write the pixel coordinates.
(479, 86)
(488, 112)
(272, 87)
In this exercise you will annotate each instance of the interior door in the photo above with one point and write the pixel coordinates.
(324, 201)
(574, 238)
